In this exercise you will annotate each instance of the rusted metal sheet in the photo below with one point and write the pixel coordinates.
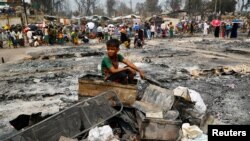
(163, 98)
(158, 129)
(89, 86)
(73, 121)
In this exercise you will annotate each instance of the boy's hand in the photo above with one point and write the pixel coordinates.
(142, 75)
(131, 70)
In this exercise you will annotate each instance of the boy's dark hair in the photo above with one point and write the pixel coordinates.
(113, 43)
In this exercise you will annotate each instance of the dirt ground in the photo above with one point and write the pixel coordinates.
(44, 79)
(14, 55)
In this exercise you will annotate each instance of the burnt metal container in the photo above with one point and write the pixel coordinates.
(158, 129)
(92, 85)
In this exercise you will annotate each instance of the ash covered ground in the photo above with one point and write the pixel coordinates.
(47, 80)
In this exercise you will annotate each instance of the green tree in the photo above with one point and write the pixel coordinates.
(110, 7)
(99, 10)
(222, 6)
(173, 5)
(123, 9)
(140, 9)
(193, 6)
(228, 6)
(152, 6)
(86, 6)
(46, 6)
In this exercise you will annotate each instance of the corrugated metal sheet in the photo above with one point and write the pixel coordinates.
(74, 121)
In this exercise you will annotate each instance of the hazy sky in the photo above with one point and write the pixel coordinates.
(103, 2)
(128, 2)
(28, 1)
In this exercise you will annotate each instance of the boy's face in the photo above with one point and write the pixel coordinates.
(112, 51)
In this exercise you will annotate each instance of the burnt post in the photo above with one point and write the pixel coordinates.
(3, 60)
(25, 11)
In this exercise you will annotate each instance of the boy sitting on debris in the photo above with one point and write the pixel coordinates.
(110, 62)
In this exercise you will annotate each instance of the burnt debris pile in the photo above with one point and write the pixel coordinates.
(162, 107)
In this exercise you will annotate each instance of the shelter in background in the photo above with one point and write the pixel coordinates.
(174, 21)
(157, 20)
(50, 18)
(180, 14)
(128, 19)
(64, 21)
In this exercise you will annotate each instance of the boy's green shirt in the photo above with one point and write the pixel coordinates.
(107, 64)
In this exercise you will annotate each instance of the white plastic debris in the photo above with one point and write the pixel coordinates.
(153, 114)
(62, 138)
(182, 92)
(193, 96)
(202, 137)
(104, 133)
(36, 80)
(191, 132)
(199, 106)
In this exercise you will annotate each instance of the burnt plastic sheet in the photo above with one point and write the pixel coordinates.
(73, 121)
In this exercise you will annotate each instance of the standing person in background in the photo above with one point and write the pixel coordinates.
(158, 31)
(50, 32)
(20, 38)
(136, 27)
(74, 37)
(46, 35)
(13, 38)
(1, 38)
(141, 36)
(205, 28)
(111, 32)
(148, 31)
(248, 28)
(248, 35)
(234, 30)
(192, 28)
(152, 30)
(100, 33)
(163, 30)
(223, 30)
(54, 35)
(30, 38)
(145, 30)
(60, 37)
(9, 39)
(87, 30)
(185, 26)
(39, 35)
(228, 29)
(117, 32)
(217, 31)
(171, 30)
(129, 31)
(106, 32)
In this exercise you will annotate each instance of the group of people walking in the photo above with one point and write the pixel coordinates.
(226, 30)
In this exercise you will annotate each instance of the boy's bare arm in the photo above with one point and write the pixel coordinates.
(114, 70)
(131, 65)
